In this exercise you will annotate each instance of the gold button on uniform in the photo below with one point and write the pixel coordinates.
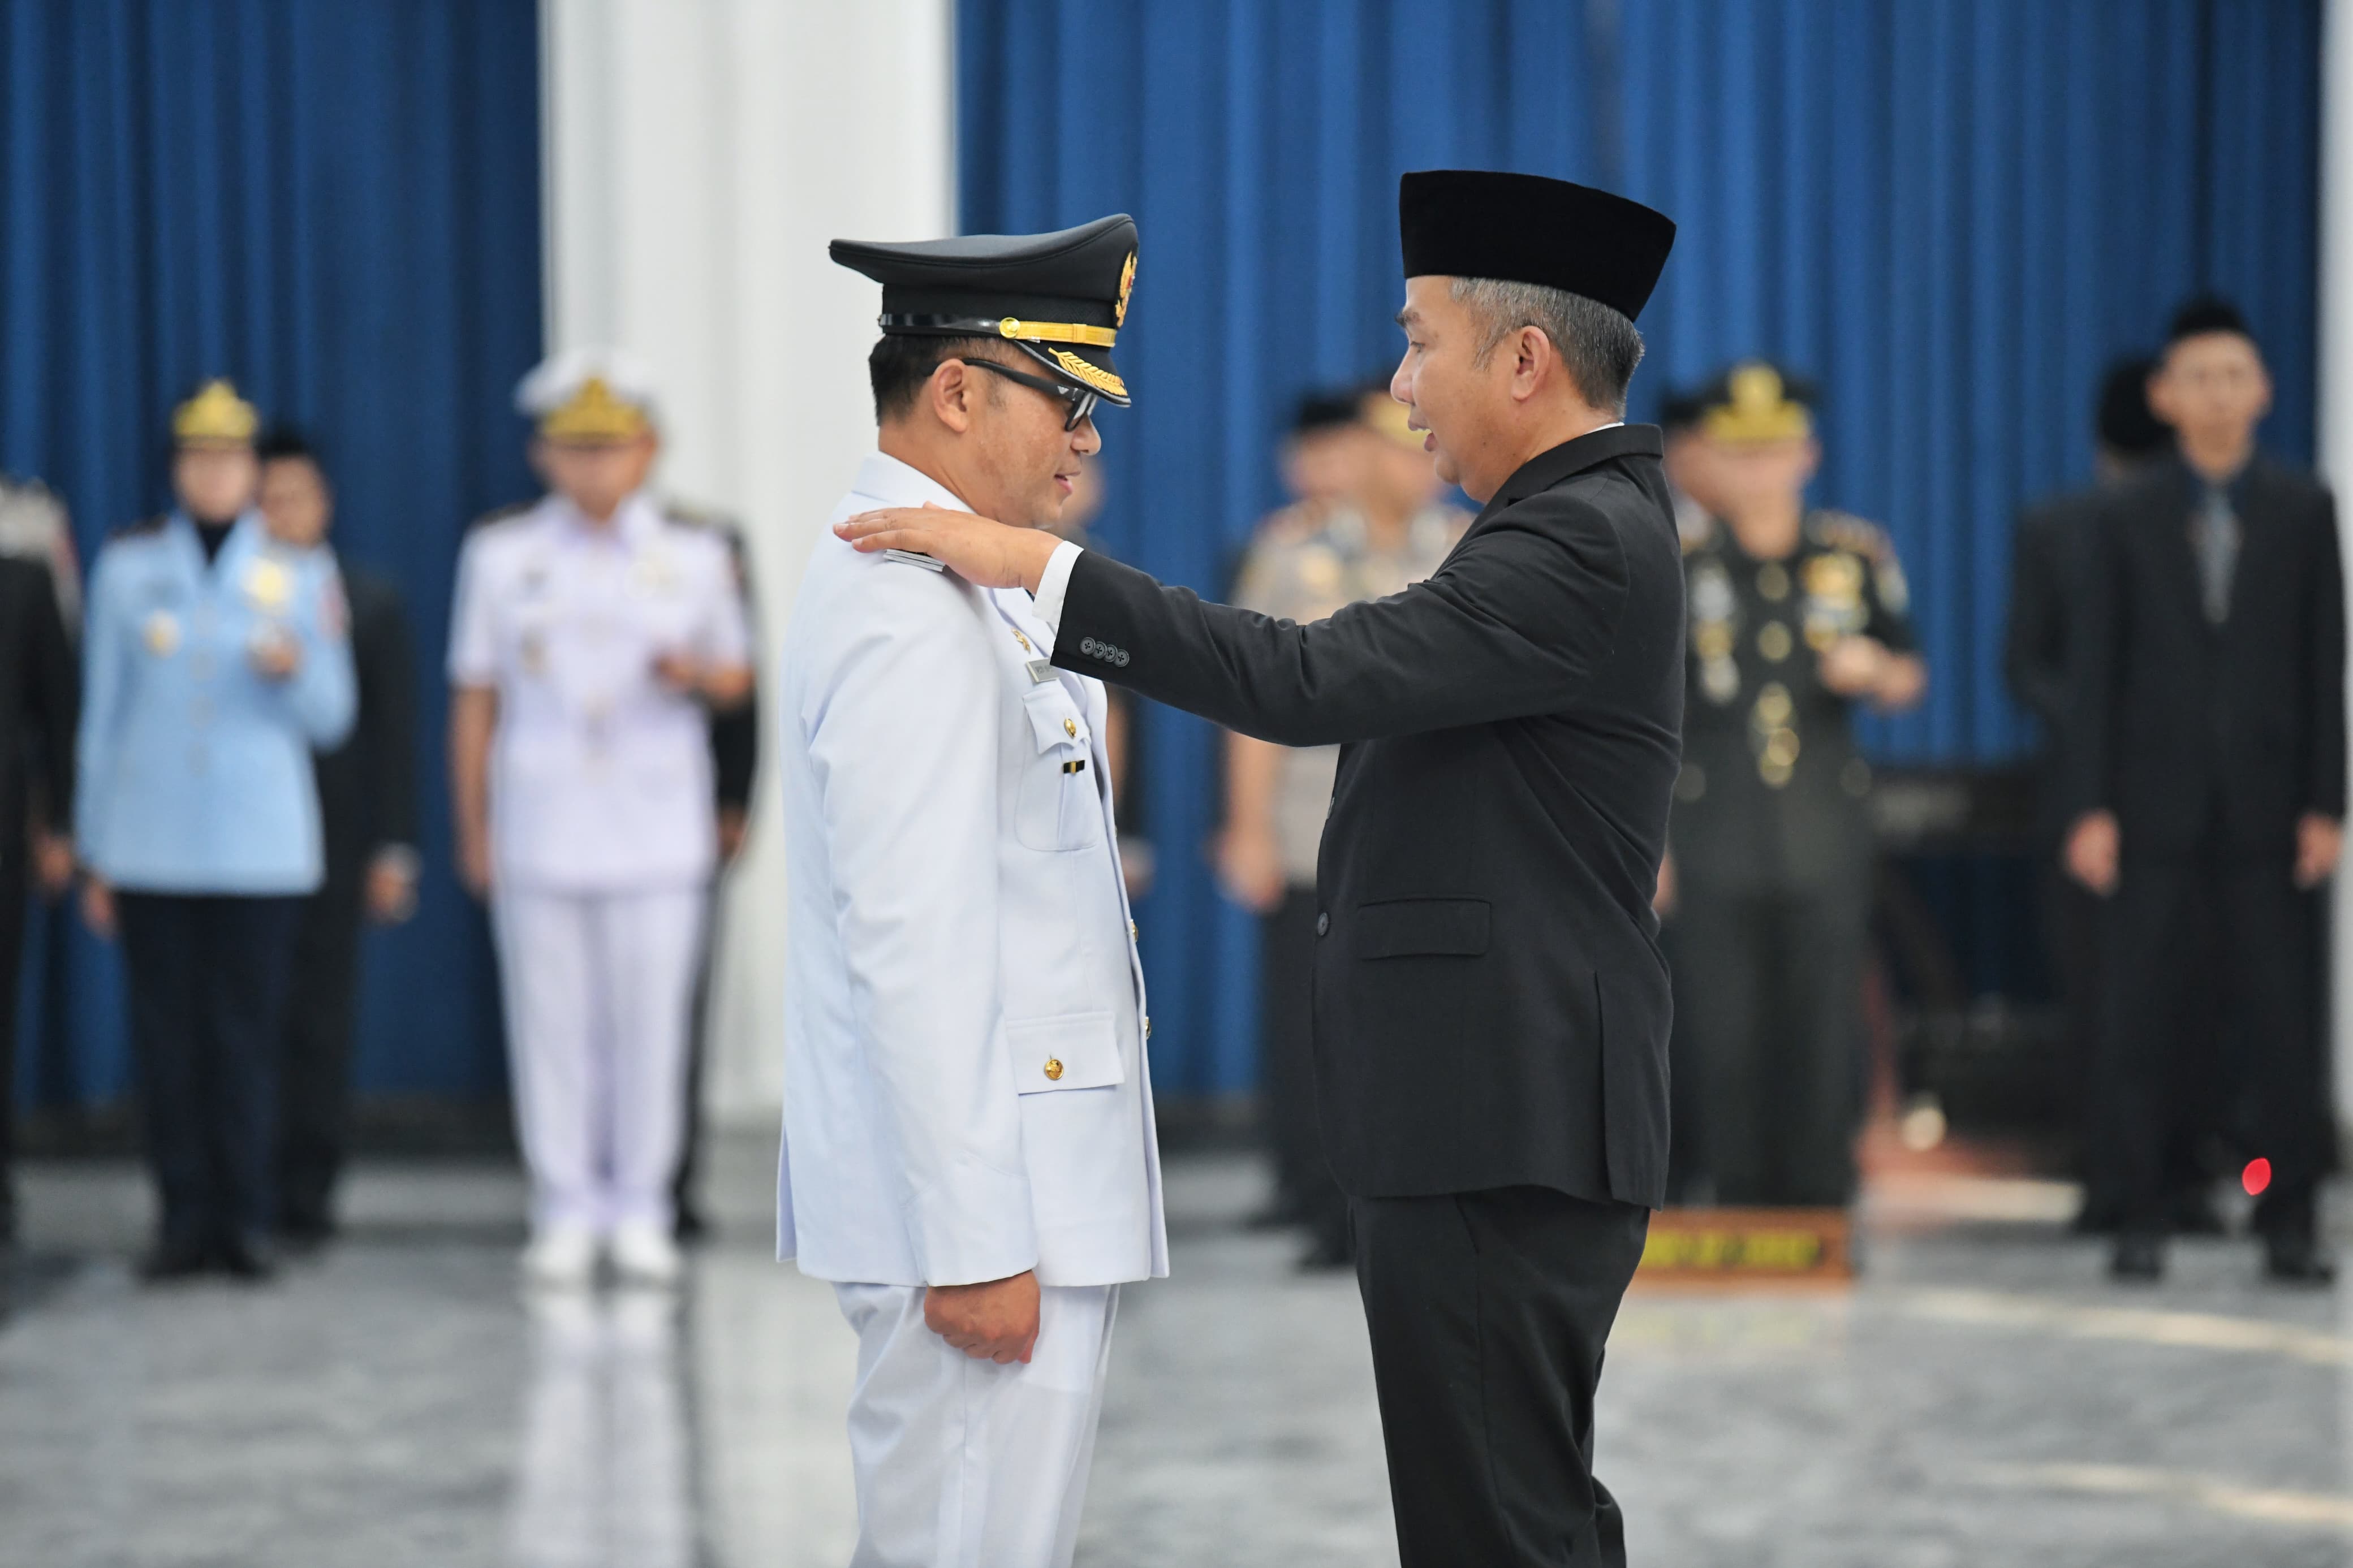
(1147, 1025)
(1131, 930)
(1053, 1070)
(1070, 728)
(1773, 641)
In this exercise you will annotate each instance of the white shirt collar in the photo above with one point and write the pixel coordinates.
(887, 478)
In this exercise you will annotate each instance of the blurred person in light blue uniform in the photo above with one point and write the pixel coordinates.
(215, 659)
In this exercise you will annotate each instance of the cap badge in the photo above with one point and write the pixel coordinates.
(1757, 408)
(594, 414)
(1126, 286)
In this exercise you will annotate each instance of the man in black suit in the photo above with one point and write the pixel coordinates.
(40, 686)
(2206, 772)
(367, 813)
(1490, 1007)
(2048, 551)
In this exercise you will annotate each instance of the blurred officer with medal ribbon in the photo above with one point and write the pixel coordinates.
(1797, 615)
(592, 636)
(2204, 776)
(215, 660)
(969, 1152)
(1491, 1005)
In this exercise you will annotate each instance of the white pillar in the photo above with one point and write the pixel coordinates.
(699, 154)
(2334, 430)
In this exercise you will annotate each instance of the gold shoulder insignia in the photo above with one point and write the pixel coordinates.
(1844, 530)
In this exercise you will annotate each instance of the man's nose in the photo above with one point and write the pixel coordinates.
(1086, 440)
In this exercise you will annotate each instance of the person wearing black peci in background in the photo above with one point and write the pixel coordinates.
(367, 811)
(2206, 772)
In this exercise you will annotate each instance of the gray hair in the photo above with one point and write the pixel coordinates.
(1598, 346)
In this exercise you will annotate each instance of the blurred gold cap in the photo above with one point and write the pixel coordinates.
(1755, 408)
(594, 414)
(1387, 417)
(214, 415)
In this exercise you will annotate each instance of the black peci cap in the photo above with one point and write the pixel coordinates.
(1527, 228)
(2207, 313)
(1060, 298)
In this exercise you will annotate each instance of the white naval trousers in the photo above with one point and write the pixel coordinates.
(598, 990)
(962, 1463)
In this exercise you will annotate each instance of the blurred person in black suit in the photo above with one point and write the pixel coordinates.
(39, 708)
(2206, 771)
(734, 765)
(2053, 539)
(367, 813)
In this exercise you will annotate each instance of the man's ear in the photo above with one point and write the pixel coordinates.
(951, 394)
(1534, 361)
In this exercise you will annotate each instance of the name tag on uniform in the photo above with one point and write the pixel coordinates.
(914, 558)
(1042, 670)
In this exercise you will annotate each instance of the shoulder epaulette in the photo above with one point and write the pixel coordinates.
(1844, 530)
(502, 514)
(686, 516)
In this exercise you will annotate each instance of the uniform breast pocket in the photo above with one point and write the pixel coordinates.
(1056, 807)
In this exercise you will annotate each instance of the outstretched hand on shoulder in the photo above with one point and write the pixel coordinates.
(985, 553)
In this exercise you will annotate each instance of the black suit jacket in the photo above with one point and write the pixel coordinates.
(2181, 727)
(1491, 1005)
(367, 785)
(2048, 552)
(41, 698)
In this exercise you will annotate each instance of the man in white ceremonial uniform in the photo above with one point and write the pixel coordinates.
(969, 1151)
(592, 638)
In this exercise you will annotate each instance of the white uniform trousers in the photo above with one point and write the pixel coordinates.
(962, 1463)
(598, 988)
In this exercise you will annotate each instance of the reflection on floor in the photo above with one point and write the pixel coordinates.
(1980, 1396)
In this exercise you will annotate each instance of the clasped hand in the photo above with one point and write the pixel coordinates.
(995, 1320)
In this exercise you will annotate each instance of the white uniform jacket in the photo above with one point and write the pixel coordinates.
(966, 1087)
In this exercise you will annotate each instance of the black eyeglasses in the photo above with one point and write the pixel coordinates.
(1078, 400)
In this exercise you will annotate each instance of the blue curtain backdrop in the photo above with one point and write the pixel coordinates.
(338, 206)
(1953, 213)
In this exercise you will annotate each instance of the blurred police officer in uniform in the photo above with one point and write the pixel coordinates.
(968, 1134)
(2206, 772)
(591, 639)
(2049, 550)
(215, 661)
(367, 807)
(1381, 527)
(39, 699)
(1797, 616)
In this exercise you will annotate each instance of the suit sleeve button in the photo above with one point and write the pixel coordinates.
(1322, 924)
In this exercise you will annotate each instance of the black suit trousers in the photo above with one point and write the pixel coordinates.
(314, 1061)
(1769, 992)
(207, 981)
(13, 890)
(2263, 959)
(1286, 1031)
(1489, 1311)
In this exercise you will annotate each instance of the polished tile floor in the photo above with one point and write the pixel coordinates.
(1981, 1398)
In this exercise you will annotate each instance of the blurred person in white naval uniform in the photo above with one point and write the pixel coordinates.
(592, 638)
(968, 1139)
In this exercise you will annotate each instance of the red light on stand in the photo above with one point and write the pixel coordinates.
(2256, 1177)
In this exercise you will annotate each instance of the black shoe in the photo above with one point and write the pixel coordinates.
(247, 1259)
(173, 1260)
(687, 1224)
(2294, 1259)
(2138, 1257)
